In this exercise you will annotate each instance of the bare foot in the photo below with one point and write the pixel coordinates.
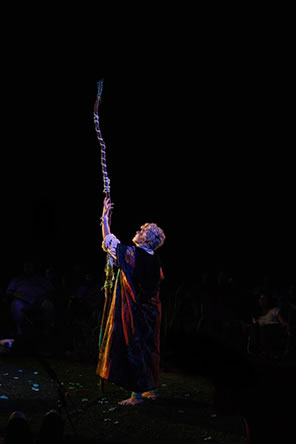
(131, 401)
(150, 395)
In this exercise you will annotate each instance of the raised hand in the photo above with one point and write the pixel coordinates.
(107, 208)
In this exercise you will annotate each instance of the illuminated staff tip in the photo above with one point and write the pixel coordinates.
(100, 89)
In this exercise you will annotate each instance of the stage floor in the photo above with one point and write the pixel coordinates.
(184, 412)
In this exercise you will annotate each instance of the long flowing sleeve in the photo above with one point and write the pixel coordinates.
(110, 243)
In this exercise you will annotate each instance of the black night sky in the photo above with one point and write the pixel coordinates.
(198, 136)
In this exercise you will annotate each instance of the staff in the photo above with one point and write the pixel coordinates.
(109, 274)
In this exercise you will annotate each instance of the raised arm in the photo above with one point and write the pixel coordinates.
(107, 208)
(110, 241)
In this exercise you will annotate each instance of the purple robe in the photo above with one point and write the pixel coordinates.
(129, 345)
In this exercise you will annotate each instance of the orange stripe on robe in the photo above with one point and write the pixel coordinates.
(129, 351)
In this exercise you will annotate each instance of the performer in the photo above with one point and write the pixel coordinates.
(129, 346)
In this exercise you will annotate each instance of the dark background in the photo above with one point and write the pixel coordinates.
(198, 127)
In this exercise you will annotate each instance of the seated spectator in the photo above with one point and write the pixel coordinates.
(18, 430)
(52, 429)
(270, 328)
(6, 345)
(268, 312)
(82, 317)
(29, 299)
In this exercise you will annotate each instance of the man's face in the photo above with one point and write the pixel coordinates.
(140, 236)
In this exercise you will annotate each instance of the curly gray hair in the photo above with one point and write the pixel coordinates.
(154, 235)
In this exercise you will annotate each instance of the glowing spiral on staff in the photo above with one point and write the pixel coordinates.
(106, 180)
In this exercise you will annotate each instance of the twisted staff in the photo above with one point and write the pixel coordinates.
(109, 274)
(106, 180)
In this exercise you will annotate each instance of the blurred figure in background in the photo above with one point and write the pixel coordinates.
(30, 299)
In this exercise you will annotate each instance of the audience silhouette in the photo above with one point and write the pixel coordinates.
(52, 429)
(18, 429)
(240, 330)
